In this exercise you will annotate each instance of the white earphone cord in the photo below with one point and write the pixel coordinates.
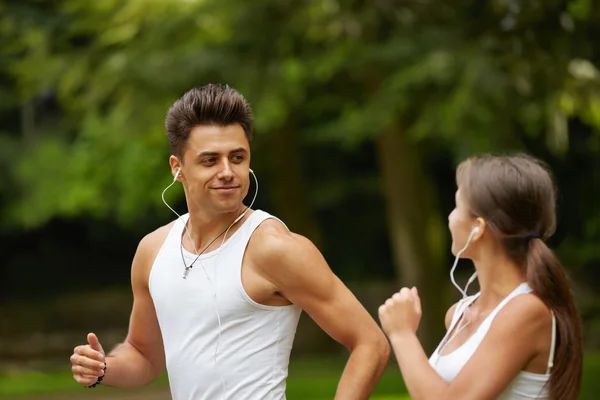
(245, 211)
(473, 277)
(214, 294)
(211, 283)
(187, 232)
(461, 325)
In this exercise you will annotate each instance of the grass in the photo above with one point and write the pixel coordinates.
(309, 378)
(49, 383)
(317, 379)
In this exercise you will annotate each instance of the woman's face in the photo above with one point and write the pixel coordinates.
(461, 223)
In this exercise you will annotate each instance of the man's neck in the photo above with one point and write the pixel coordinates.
(204, 228)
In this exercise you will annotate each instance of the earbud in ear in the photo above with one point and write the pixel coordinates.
(251, 170)
(476, 230)
(177, 174)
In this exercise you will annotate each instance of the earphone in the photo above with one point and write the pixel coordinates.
(474, 232)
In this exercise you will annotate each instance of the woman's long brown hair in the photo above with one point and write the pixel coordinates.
(516, 196)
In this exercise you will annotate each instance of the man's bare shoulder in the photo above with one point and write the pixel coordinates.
(157, 236)
(146, 253)
(153, 241)
(275, 250)
(273, 241)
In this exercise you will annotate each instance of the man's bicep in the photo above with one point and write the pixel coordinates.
(144, 331)
(307, 281)
(341, 315)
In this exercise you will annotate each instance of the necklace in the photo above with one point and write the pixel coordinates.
(189, 267)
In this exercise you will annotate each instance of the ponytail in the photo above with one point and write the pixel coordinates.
(550, 283)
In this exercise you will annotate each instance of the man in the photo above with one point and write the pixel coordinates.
(218, 292)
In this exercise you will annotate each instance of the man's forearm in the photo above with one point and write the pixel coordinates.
(126, 367)
(363, 371)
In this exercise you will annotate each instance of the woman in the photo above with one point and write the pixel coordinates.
(520, 336)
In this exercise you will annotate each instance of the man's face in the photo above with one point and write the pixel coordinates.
(215, 171)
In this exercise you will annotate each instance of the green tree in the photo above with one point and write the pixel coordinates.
(415, 79)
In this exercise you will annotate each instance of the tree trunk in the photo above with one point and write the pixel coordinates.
(416, 227)
(287, 185)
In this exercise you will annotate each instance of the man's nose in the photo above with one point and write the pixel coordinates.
(226, 172)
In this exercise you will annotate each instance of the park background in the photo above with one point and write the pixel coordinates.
(362, 111)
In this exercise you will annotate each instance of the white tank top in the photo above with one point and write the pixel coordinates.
(255, 340)
(526, 385)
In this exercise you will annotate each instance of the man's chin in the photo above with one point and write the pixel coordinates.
(230, 207)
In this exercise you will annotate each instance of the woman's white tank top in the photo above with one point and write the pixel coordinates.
(526, 385)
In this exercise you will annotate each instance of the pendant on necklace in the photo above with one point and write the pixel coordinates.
(186, 273)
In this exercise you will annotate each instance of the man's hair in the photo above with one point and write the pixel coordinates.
(212, 104)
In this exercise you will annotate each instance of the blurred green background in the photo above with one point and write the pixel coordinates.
(362, 111)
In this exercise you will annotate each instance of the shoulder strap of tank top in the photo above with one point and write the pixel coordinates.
(523, 288)
(552, 345)
(258, 216)
(461, 306)
(242, 236)
(178, 228)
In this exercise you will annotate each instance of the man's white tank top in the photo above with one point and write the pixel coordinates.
(525, 386)
(247, 357)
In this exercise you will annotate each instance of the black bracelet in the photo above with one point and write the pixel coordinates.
(99, 379)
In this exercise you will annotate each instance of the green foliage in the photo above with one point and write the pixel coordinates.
(84, 88)
(341, 70)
